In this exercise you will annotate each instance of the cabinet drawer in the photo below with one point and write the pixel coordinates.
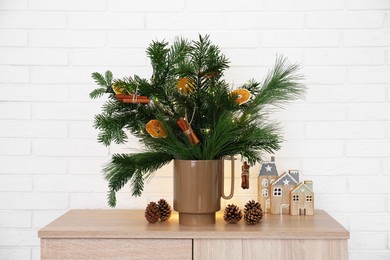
(140, 249)
(222, 249)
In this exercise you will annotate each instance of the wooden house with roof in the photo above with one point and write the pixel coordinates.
(280, 192)
(302, 199)
(267, 175)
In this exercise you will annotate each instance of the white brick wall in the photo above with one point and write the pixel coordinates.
(338, 136)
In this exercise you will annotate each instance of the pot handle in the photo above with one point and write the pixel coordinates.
(232, 179)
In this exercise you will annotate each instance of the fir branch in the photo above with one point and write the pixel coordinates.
(111, 128)
(97, 92)
(158, 52)
(108, 78)
(105, 84)
(132, 167)
(178, 56)
(99, 79)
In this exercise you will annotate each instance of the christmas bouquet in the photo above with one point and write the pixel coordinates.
(187, 111)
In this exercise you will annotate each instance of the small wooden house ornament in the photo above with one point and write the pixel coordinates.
(280, 192)
(267, 175)
(302, 199)
(284, 194)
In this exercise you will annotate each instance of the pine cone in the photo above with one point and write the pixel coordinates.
(232, 214)
(152, 213)
(165, 209)
(253, 212)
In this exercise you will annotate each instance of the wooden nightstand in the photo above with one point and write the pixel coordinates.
(125, 234)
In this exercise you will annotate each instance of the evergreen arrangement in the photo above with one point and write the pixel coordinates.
(187, 111)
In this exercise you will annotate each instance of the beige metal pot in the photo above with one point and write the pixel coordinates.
(197, 190)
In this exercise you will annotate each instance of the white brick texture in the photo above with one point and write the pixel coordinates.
(338, 135)
(15, 219)
(366, 240)
(15, 253)
(14, 5)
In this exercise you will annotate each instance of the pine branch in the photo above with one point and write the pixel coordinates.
(105, 84)
(137, 184)
(178, 54)
(97, 93)
(228, 137)
(282, 84)
(111, 129)
(158, 52)
(99, 79)
(108, 78)
(132, 167)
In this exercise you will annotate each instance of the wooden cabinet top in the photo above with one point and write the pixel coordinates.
(132, 224)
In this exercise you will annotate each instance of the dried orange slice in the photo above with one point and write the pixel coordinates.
(185, 86)
(117, 89)
(156, 129)
(242, 95)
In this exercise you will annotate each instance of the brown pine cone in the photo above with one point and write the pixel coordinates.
(232, 214)
(152, 212)
(165, 209)
(253, 212)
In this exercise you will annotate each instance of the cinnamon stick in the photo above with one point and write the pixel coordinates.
(136, 101)
(124, 96)
(186, 128)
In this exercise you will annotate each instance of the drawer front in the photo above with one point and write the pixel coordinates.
(139, 249)
(295, 249)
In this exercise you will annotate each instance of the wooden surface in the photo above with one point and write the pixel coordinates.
(140, 249)
(295, 249)
(125, 234)
(132, 224)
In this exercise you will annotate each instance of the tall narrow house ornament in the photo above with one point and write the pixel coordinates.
(267, 175)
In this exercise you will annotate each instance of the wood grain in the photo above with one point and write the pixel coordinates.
(91, 249)
(132, 224)
(222, 249)
(125, 234)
